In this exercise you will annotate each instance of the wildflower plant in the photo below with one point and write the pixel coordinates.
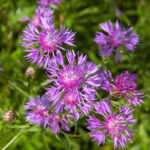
(75, 82)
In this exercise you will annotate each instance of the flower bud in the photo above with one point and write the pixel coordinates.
(9, 116)
(30, 72)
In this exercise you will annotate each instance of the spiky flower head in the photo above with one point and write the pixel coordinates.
(113, 36)
(74, 83)
(41, 40)
(124, 85)
(114, 125)
(37, 110)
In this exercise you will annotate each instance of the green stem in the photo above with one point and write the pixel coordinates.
(45, 144)
(76, 128)
(68, 142)
(19, 89)
(12, 140)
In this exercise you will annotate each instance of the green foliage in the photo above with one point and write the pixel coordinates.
(83, 17)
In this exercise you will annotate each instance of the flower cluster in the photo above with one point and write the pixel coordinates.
(113, 37)
(74, 81)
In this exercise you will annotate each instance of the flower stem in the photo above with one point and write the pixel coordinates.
(13, 85)
(13, 139)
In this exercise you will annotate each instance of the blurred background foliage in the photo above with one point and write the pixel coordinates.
(83, 17)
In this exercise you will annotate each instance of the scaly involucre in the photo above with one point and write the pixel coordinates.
(74, 83)
(41, 40)
(114, 125)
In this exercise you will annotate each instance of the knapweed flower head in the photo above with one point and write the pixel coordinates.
(37, 110)
(114, 125)
(124, 85)
(74, 81)
(113, 36)
(41, 40)
(47, 3)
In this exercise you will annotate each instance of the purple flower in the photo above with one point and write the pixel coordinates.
(115, 125)
(37, 110)
(47, 3)
(123, 85)
(113, 37)
(40, 111)
(74, 83)
(42, 40)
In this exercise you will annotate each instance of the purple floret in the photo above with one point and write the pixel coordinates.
(114, 125)
(47, 3)
(105, 80)
(113, 36)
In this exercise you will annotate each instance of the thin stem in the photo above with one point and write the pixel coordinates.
(18, 126)
(19, 89)
(68, 141)
(45, 144)
(76, 128)
(12, 140)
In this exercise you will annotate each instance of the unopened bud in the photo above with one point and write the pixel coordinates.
(30, 72)
(9, 116)
(61, 19)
